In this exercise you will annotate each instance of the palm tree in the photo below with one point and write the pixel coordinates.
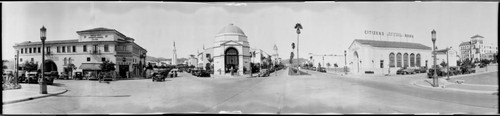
(298, 26)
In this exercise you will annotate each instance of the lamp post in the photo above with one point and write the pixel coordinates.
(447, 64)
(434, 77)
(345, 62)
(41, 81)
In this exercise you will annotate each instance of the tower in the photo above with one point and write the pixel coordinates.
(174, 58)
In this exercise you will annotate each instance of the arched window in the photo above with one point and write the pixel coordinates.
(412, 60)
(398, 58)
(418, 60)
(391, 60)
(405, 60)
(65, 61)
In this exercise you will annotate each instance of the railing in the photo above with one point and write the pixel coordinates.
(95, 52)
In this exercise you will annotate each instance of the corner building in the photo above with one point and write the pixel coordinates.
(88, 51)
(386, 57)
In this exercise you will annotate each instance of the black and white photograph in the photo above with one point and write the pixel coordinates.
(278, 58)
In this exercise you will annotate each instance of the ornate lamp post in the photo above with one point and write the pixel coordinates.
(41, 81)
(434, 77)
(345, 62)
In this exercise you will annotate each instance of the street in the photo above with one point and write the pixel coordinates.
(282, 94)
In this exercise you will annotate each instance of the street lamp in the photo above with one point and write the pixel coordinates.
(447, 64)
(41, 81)
(434, 77)
(345, 62)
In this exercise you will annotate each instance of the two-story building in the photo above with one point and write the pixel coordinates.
(88, 51)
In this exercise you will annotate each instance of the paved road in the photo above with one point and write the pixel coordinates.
(317, 93)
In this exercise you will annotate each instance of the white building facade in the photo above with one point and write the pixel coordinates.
(386, 57)
(477, 49)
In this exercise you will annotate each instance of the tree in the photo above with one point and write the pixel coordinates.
(459, 63)
(443, 64)
(335, 65)
(328, 64)
(30, 66)
(107, 66)
(150, 67)
(291, 57)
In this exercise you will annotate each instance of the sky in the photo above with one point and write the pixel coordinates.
(328, 27)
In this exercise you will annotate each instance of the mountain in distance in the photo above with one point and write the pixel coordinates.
(156, 59)
(286, 61)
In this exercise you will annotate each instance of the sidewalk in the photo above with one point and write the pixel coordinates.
(445, 85)
(29, 92)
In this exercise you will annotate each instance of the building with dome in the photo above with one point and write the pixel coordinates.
(230, 50)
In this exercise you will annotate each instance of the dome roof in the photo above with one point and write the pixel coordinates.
(231, 29)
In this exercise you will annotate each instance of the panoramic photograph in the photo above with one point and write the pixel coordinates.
(250, 58)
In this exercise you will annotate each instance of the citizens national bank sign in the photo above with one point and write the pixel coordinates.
(388, 34)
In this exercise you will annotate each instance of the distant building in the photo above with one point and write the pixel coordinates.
(230, 50)
(452, 57)
(88, 51)
(192, 60)
(476, 49)
(383, 57)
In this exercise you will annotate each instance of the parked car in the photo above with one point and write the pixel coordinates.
(50, 76)
(313, 68)
(203, 73)
(91, 76)
(31, 77)
(173, 73)
(322, 69)
(263, 73)
(156, 76)
(78, 75)
(406, 70)
(421, 69)
(63, 75)
(439, 72)
(467, 70)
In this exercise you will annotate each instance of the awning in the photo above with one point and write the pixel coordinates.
(90, 66)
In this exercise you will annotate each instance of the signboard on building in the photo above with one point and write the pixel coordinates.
(388, 34)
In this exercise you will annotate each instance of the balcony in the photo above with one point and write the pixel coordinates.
(95, 52)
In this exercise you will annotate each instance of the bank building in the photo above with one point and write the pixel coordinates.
(366, 56)
(230, 51)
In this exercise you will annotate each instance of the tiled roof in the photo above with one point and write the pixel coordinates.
(97, 29)
(464, 43)
(392, 44)
(476, 36)
(101, 29)
(48, 42)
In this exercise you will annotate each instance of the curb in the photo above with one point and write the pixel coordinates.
(32, 98)
(454, 89)
(462, 75)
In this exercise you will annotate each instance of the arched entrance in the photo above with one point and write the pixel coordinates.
(231, 58)
(356, 62)
(49, 66)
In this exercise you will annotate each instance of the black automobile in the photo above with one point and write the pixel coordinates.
(322, 69)
(78, 75)
(405, 70)
(157, 77)
(439, 72)
(203, 73)
(421, 70)
(263, 73)
(467, 70)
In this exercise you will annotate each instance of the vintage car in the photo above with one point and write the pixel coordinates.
(31, 77)
(406, 70)
(322, 69)
(78, 75)
(263, 73)
(467, 70)
(173, 73)
(203, 73)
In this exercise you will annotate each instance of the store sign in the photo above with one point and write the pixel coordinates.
(388, 34)
(95, 36)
